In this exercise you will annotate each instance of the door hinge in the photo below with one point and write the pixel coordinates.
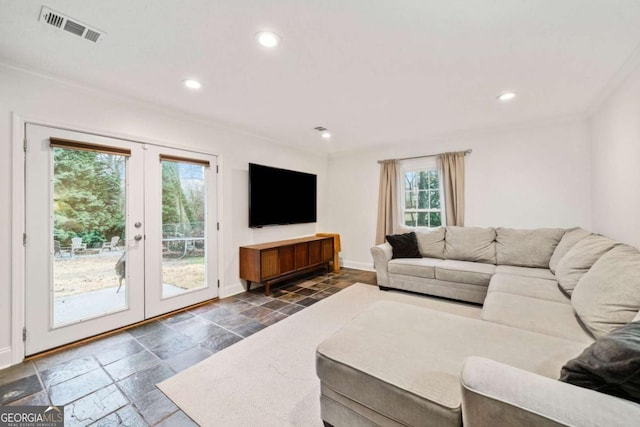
(217, 169)
(24, 145)
(218, 282)
(24, 239)
(24, 334)
(217, 226)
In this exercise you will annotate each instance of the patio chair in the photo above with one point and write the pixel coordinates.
(59, 250)
(77, 245)
(111, 245)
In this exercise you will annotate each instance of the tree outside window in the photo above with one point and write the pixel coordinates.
(421, 205)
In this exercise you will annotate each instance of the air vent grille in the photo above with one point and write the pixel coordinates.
(70, 25)
(92, 35)
(53, 19)
(74, 28)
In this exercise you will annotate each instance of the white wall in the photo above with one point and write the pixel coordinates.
(615, 133)
(523, 178)
(33, 96)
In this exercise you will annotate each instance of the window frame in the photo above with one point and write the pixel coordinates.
(418, 165)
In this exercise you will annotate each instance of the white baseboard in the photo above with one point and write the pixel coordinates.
(238, 287)
(5, 357)
(358, 265)
(231, 289)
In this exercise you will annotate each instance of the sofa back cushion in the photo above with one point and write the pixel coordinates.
(579, 260)
(430, 242)
(569, 239)
(608, 296)
(526, 248)
(470, 244)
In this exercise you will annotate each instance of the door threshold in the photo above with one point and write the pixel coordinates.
(115, 331)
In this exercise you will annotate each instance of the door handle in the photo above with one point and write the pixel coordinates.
(137, 237)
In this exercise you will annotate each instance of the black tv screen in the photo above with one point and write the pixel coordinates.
(280, 196)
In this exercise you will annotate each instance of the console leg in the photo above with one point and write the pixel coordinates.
(248, 285)
(266, 289)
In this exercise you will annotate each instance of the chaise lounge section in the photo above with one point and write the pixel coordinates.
(401, 365)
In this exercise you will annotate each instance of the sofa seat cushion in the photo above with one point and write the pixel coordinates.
(526, 248)
(470, 244)
(540, 273)
(532, 287)
(474, 273)
(418, 267)
(405, 361)
(533, 314)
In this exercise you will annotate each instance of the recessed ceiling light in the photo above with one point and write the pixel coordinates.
(192, 84)
(268, 39)
(507, 96)
(324, 132)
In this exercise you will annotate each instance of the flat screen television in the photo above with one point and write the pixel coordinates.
(280, 196)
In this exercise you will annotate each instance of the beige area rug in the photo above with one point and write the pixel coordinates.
(268, 379)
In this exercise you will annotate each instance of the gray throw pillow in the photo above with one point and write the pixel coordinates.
(608, 296)
(526, 248)
(569, 239)
(580, 258)
(610, 365)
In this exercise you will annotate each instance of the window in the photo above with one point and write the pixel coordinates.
(421, 204)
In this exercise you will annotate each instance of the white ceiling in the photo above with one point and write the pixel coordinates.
(372, 71)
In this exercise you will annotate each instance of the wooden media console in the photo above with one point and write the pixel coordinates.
(273, 262)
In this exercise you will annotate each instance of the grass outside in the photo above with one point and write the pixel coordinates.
(86, 273)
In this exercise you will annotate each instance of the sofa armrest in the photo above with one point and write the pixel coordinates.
(497, 394)
(381, 256)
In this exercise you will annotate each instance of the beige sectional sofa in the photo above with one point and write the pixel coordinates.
(459, 262)
(547, 294)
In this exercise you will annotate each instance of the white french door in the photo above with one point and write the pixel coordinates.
(116, 232)
(181, 224)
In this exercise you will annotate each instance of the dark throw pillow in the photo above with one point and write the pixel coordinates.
(404, 245)
(610, 365)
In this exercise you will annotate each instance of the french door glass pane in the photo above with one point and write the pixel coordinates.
(89, 211)
(183, 228)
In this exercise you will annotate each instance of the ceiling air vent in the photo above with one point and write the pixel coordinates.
(73, 26)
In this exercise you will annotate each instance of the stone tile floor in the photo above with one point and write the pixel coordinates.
(111, 381)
